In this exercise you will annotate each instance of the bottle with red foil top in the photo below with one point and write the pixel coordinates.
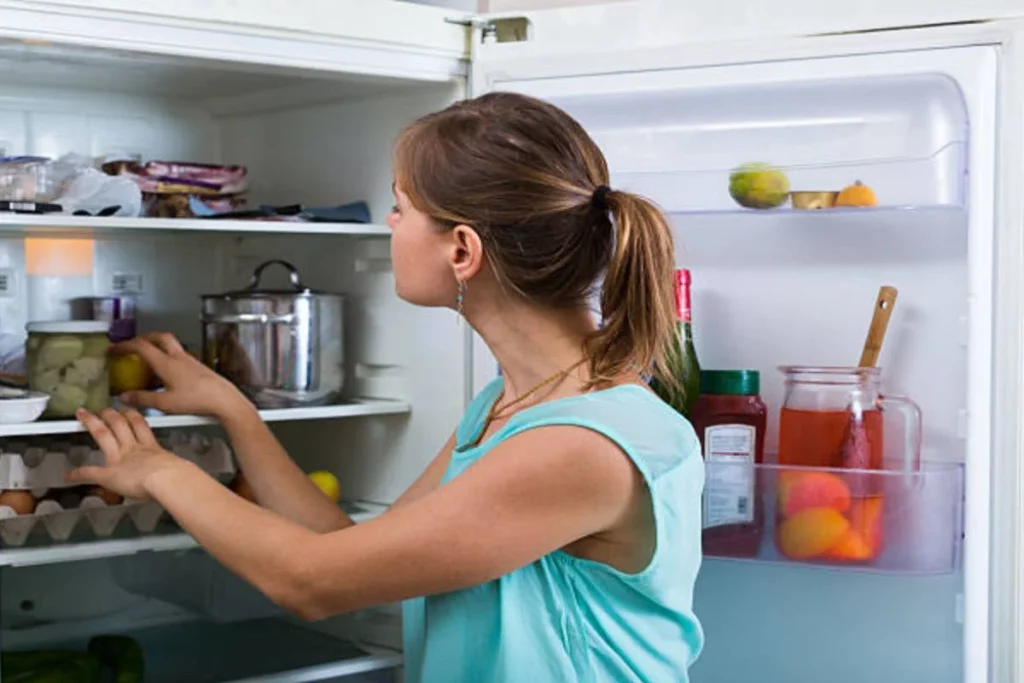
(682, 359)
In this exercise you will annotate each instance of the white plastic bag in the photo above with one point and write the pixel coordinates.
(92, 191)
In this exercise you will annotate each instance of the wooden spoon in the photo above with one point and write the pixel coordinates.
(879, 324)
(855, 452)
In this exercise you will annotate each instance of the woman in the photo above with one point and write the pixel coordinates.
(556, 535)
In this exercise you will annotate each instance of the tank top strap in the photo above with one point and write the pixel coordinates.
(473, 419)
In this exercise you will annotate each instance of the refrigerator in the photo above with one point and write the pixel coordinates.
(309, 99)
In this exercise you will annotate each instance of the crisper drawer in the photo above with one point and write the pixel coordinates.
(264, 651)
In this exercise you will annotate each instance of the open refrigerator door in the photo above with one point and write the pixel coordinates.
(919, 119)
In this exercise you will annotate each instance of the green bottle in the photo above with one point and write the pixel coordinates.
(682, 359)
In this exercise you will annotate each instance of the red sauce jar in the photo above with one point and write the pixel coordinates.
(730, 420)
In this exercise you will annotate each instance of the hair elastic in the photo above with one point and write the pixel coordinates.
(599, 200)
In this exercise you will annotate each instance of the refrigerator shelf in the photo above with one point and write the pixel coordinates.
(198, 583)
(887, 521)
(57, 224)
(355, 408)
(266, 651)
(125, 540)
(937, 180)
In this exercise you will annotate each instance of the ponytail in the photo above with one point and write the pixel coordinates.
(637, 300)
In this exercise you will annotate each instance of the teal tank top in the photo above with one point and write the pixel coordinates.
(564, 619)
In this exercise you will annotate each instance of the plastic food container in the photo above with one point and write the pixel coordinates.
(67, 360)
(18, 406)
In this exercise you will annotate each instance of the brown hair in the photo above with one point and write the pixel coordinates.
(524, 174)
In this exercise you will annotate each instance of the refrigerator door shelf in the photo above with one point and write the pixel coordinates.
(884, 521)
(937, 180)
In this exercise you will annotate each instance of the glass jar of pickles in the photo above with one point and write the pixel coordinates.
(67, 359)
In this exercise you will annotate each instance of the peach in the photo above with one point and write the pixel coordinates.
(802, 490)
(811, 532)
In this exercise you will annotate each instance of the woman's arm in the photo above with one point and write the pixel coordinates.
(277, 482)
(531, 495)
(431, 477)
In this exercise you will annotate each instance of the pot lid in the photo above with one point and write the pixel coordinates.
(68, 327)
(298, 289)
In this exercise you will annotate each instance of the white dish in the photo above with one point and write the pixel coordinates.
(18, 405)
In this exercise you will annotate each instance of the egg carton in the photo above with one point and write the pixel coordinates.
(41, 466)
(52, 519)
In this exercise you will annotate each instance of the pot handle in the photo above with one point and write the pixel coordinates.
(249, 318)
(293, 274)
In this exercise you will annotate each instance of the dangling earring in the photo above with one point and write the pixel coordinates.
(460, 296)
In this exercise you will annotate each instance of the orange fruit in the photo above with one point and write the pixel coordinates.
(857, 194)
(851, 548)
(811, 532)
(866, 517)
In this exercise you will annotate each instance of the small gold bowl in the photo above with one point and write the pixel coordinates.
(813, 200)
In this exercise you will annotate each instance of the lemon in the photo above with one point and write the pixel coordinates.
(128, 372)
(328, 483)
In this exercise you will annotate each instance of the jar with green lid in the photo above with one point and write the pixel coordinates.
(67, 359)
(730, 419)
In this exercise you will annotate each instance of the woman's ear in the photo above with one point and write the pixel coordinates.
(467, 252)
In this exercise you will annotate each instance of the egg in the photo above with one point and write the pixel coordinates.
(21, 502)
(106, 495)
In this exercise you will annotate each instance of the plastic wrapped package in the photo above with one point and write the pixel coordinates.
(95, 192)
(172, 177)
(38, 179)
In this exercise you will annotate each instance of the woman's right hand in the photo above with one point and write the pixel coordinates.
(189, 386)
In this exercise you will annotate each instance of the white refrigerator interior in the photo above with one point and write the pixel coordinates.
(314, 120)
(311, 137)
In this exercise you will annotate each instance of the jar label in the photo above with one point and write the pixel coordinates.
(729, 482)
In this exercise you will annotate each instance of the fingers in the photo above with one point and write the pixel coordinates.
(87, 475)
(154, 356)
(165, 341)
(118, 425)
(101, 433)
(143, 434)
(146, 399)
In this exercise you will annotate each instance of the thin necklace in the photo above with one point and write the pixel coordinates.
(497, 413)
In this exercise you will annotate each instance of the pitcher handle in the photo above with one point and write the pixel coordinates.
(912, 417)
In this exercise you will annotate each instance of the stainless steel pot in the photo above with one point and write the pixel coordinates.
(283, 348)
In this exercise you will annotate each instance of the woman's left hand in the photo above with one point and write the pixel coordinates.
(132, 451)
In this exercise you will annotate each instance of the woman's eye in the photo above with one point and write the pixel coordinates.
(394, 208)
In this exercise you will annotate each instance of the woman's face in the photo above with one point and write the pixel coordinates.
(420, 256)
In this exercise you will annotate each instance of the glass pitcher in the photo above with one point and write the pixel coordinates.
(834, 417)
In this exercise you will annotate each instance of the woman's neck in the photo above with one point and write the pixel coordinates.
(531, 345)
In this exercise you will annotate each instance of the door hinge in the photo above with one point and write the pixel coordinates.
(503, 30)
